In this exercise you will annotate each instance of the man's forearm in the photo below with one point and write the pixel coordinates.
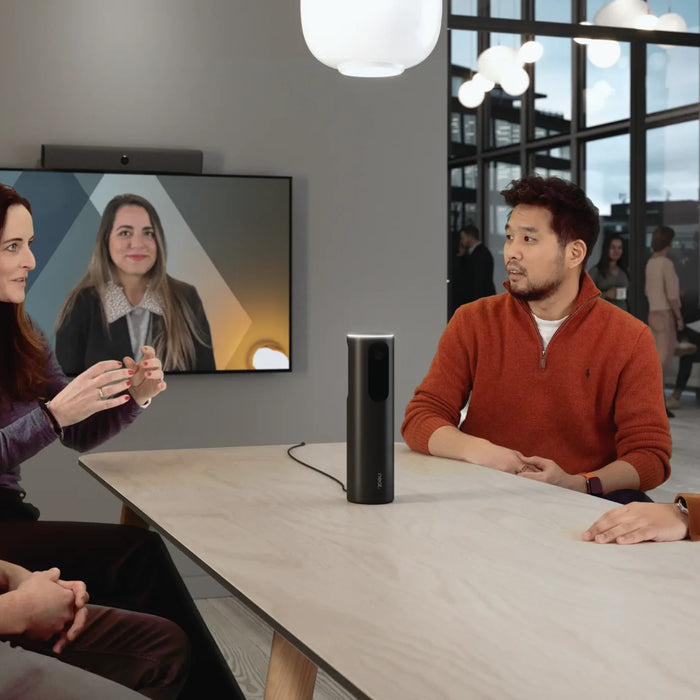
(11, 575)
(616, 475)
(449, 441)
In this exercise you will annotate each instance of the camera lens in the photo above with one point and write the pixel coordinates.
(124, 160)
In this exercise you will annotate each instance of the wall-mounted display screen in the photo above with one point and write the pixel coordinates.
(197, 265)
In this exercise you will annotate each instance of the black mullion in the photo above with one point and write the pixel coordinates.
(638, 177)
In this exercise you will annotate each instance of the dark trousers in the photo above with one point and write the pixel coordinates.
(124, 567)
(685, 363)
(144, 653)
(625, 496)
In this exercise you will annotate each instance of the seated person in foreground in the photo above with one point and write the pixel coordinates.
(563, 387)
(645, 522)
(45, 620)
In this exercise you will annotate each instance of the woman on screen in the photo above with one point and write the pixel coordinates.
(123, 567)
(127, 300)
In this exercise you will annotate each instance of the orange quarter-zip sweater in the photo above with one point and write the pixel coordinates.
(595, 395)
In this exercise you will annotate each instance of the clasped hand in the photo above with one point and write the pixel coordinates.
(103, 386)
(536, 468)
(54, 607)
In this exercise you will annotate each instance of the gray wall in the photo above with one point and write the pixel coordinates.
(234, 79)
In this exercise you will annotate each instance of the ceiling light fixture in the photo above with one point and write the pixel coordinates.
(502, 65)
(371, 38)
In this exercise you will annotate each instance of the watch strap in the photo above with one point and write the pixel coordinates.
(594, 485)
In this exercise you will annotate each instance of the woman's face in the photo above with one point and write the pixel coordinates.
(16, 259)
(132, 242)
(615, 250)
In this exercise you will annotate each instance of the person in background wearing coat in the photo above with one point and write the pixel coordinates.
(474, 268)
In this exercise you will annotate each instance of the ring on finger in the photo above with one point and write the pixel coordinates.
(102, 396)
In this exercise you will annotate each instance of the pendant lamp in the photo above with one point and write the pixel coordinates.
(371, 38)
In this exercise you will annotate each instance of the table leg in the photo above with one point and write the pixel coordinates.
(128, 517)
(290, 675)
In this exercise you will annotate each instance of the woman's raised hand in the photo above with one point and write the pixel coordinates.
(98, 388)
(148, 379)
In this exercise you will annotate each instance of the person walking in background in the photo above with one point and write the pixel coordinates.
(688, 352)
(663, 294)
(473, 267)
(610, 273)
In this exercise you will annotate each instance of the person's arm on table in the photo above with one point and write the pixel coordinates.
(644, 522)
(614, 476)
(432, 415)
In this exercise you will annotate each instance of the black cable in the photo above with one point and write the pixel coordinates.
(296, 459)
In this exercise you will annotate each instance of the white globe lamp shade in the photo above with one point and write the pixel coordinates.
(496, 61)
(603, 53)
(671, 22)
(530, 52)
(483, 82)
(470, 94)
(515, 81)
(620, 13)
(647, 22)
(371, 38)
(270, 358)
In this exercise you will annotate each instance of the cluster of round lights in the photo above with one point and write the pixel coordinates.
(604, 53)
(502, 65)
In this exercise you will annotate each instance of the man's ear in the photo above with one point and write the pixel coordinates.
(576, 252)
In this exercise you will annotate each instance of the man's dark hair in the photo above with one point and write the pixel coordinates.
(471, 230)
(574, 216)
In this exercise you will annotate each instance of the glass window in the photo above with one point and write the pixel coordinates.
(673, 79)
(607, 94)
(463, 49)
(607, 184)
(500, 175)
(552, 89)
(507, 9)
(552, 11)
(554, 162)
(465, 7)
(673, 176)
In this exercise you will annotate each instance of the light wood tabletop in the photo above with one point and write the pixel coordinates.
(472, 584)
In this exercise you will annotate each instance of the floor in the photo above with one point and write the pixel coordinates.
(245, 640)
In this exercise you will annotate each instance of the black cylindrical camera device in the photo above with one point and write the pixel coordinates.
(370, 430)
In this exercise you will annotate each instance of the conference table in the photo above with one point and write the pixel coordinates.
(472, 584)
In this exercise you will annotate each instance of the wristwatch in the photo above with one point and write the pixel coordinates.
(593, 485)
(682, 506)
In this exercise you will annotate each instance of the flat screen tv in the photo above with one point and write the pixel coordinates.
(226, 236)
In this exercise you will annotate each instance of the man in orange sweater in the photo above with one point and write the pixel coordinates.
(562, 387)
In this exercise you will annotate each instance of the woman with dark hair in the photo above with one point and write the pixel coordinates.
(663, 293)
(127, 300)
(610, 273)
(120, 566)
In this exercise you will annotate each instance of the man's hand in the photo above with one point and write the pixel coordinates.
(80, 600)
(639, 522)
(549, 472)
(148, 378)
(502, 458)
(47, 607)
